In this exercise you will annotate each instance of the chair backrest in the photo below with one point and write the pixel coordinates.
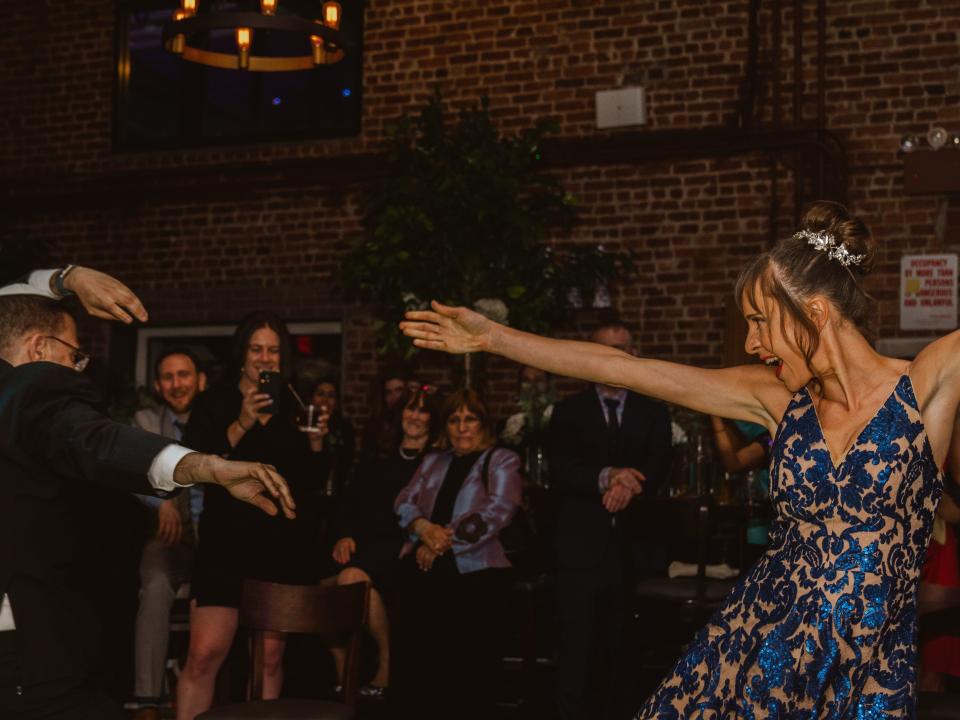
(336, 611)
(323, 610)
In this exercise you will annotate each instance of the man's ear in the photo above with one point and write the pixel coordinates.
(156, 386)
(201, 381)
(36, 347)
(819, 311)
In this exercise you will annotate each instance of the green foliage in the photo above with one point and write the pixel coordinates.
(467, 216)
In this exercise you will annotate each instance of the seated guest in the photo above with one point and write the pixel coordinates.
(238, 421)
(456, 574)
(389, 389)
(340, 443)
(743, 446)
(167, 558)
(369, 540)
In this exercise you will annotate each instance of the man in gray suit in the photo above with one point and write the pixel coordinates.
(167, 559)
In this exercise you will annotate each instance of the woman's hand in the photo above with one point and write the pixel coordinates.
(250, 408)
(425, 557)
(344, 550)
(317, 435)
(436, 537)
(453, 330)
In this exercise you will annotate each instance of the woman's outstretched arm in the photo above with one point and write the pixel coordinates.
(745, 393)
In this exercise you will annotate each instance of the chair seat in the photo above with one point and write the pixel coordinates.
(288, 709)
(682, 589)
(938, 706)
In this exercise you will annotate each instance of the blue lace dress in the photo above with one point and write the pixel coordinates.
(824, 625)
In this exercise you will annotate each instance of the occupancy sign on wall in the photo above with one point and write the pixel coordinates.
(928, 292)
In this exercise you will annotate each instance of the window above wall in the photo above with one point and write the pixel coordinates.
(163, 100)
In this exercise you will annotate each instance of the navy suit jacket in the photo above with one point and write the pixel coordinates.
(55, 442)
(580, 446)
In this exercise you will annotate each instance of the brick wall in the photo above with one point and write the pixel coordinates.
(892, 68)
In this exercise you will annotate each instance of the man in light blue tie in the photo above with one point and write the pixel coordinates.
(167, 559)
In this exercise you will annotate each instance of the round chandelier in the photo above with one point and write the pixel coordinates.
(322, 40)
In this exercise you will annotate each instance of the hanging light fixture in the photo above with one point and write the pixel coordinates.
(322, 39)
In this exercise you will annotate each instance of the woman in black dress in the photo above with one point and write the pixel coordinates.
(370, 540)
(237, 421)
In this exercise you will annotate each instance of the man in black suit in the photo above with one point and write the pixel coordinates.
(607, 445)
(55, 443)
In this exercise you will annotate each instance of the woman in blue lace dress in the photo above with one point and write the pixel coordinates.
(824, 626)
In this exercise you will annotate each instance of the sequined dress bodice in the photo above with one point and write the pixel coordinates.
(824, 625)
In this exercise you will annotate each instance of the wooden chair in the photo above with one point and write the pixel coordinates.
(336, 612)
(668, 611)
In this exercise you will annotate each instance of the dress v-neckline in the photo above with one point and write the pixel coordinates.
(838, 467)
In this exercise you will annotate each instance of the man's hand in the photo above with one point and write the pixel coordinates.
(628, 478)
(169, 525)
(453, 330)
(103, 296)
(616, 498)
(425, 557)
(344, 550)
(246, 481)
(436, 537)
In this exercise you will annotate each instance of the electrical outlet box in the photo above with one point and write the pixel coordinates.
(621, 108)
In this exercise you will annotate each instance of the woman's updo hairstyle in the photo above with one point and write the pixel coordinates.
(793, 271)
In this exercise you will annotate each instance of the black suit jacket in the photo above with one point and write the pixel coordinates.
(55, 441)
(580, 446)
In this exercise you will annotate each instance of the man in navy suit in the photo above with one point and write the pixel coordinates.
(607, 446)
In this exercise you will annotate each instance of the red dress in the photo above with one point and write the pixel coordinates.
(940, 579)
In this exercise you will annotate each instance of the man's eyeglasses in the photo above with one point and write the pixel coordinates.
(79, 357)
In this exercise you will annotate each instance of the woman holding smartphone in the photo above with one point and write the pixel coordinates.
(239, 421)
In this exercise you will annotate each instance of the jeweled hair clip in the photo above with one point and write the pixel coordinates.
(824, 241)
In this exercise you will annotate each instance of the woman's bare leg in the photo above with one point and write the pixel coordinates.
(377, 623)
(211, 634)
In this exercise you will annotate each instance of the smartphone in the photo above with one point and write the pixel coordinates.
(270, 385)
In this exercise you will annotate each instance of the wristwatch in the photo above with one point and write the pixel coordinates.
(58, 280)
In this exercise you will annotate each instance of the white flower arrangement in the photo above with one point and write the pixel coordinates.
(513, 429)
(679, 434)
(493, 309)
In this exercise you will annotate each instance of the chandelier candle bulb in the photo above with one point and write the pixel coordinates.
(268, 7)
(189, 9)
(243, 46)
(331, 15)
(178, 42)
(319, 51)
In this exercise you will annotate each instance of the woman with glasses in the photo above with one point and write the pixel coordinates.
(456, 574)
(238, 421)
(369, 541)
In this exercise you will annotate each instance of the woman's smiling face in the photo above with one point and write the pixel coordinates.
(770, 337)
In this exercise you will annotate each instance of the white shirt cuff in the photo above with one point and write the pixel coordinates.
(6, 615)
(40, 281)
(603, 482)
(161, 470)
(38, 284)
